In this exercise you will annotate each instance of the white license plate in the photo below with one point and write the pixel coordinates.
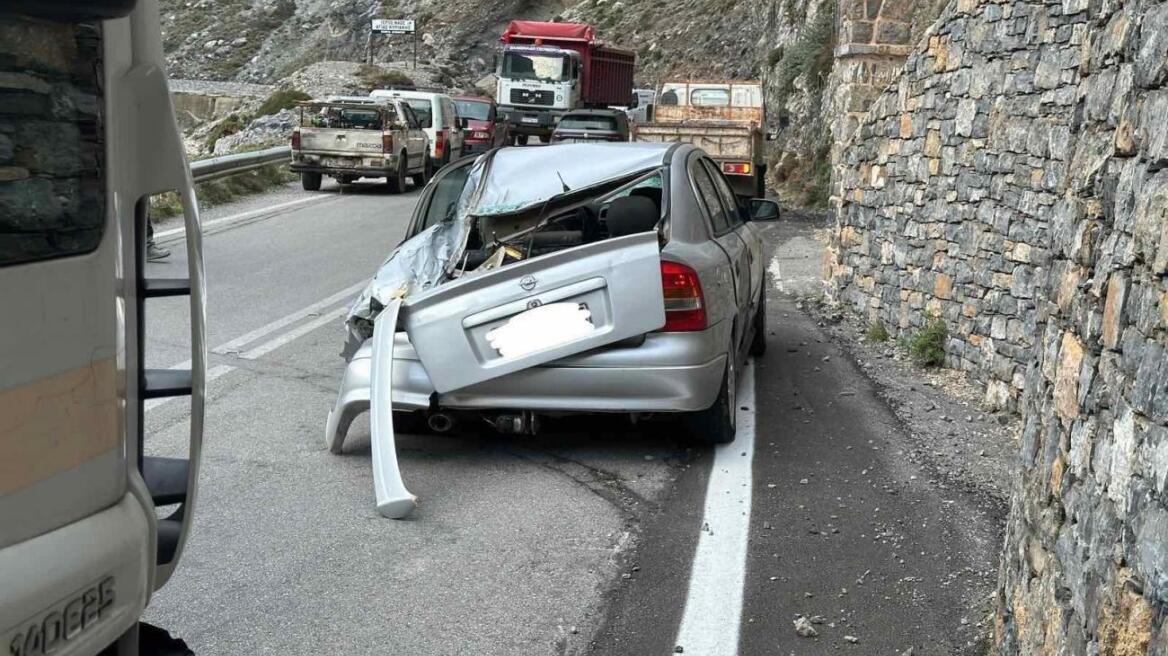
(529, 119)
(63, 622)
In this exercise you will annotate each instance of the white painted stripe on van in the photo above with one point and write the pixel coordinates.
(244, 216)
(713, 606)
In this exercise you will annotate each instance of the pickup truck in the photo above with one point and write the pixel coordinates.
(348, 138)
(724, 118)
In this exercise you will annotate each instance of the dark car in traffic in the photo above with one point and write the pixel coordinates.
(484, 130)
(592, 125)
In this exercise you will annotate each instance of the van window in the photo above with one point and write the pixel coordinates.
(709, 97)
(52, 163)
(423, 110)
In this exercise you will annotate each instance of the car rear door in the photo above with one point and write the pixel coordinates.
(456, 328)
(723, 221)
(752, 245)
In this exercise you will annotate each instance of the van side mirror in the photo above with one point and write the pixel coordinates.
(762, 209)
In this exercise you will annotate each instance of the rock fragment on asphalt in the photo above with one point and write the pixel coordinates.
(804, 629)
(852, 639)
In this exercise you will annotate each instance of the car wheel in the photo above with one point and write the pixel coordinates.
(420, 179)
(310, 181)
(758, 345)
(717, 424)
(397, 183)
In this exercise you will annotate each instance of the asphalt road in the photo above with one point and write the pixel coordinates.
(597, 536)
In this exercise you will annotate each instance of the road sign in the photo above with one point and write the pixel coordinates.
(393, 25)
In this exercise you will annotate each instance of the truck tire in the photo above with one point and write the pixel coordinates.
(310, 181)
(717, 424)
(545, 138)
(397, 183)
(521, 139)
(420, 179)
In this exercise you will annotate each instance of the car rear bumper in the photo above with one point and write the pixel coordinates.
(380, 167)
(475, 147)
(669, 372)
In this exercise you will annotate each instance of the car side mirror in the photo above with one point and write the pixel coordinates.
(762, 209)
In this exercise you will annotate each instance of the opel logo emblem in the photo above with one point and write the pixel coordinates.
(527, 283)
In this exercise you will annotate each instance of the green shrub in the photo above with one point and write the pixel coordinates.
(223, 190)
(877, 332)
(230, 125)
(773, 57)
(811, 56)
(281, 99)
(373, 77)
(927, 345)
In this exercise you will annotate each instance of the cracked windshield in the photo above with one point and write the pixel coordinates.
(589, 328)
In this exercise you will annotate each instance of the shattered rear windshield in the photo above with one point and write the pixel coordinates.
(588, 123)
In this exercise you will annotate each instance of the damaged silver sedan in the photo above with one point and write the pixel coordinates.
(619, 278)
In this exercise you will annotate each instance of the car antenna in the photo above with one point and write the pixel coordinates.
(565, 184)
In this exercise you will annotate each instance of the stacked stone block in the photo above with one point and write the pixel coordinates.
(1014, 181)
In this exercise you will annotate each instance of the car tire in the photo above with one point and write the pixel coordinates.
(420, 179)
(397, 183)
(543, 139)
(758, 345)
(717, 424)
(310, 181)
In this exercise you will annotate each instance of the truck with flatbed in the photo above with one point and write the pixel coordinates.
(347, 138)
(725, 118)
(547, 69)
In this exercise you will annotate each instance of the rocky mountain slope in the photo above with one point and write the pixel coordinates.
(787, 43)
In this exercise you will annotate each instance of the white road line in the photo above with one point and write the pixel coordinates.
(214, 372)
(276, 342)
(776, 271)
(243, 340)
(243, 216)
(713, 606)
(295, 333)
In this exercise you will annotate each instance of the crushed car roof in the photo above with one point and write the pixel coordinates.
(503, 181)
(521, 178)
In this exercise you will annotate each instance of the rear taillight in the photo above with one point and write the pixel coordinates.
(439, 144)
(685, 309)
(387, 143)
(736, 168)
(296, 140)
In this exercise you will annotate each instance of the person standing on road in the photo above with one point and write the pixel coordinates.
(154, 252)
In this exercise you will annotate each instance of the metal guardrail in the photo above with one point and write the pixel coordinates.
(227, 165)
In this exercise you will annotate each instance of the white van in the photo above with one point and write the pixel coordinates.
(439, 118)
(91, 523)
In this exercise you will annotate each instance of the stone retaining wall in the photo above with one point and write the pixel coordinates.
(1014, 182)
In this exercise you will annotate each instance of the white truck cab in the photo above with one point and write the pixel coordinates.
(91, 134)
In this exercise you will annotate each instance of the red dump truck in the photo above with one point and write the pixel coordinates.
(550, 68)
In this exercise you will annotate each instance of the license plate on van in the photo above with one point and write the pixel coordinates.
(63, 622)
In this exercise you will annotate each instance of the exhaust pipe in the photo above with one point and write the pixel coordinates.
(440, 422)
(524, 423)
